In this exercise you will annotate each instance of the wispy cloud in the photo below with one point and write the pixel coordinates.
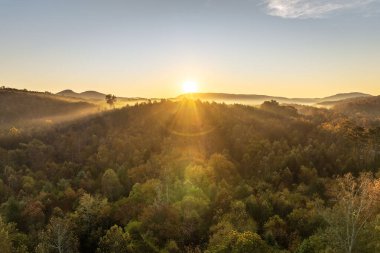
(311, 8)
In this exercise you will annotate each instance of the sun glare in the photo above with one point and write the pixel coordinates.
(190, 87)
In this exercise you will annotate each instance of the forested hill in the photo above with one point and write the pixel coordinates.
(98, 97)
(23, 108)
(189, 176)
(361, 110)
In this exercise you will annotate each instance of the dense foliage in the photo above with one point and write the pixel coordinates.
(194, 177)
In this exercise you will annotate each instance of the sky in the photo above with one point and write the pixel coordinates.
(148, 48)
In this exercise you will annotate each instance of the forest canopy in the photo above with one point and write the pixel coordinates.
(192, 176)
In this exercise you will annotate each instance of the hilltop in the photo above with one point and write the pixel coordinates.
(22, 108)
(83, 95)
(343, 96)
(362, 110)
(95, 95)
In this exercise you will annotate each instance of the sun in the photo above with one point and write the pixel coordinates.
(190, 87)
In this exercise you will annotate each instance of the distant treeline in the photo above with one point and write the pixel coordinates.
(3, 88)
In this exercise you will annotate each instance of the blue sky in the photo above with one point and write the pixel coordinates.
(149, 47)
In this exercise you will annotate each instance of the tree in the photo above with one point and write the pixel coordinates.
(114, 241)
(111, 185)
(11, 210)
(193, 207)
(259, 208)
(163, 221)
(33, 215)
(315, 244)
(57, 237)
(111, 100)
(172, 247)
(5, 240)
(238, 242)
(357, 203)
(91, 220)
(275, 230)
(14, 132)
(239, 218)
(222, 168)
(10, 239)
(139, 243)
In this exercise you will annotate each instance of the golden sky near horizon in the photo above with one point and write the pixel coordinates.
(150, 48)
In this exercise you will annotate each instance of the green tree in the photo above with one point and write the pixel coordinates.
(111, 185)
(162, 221)
(238, 242)
(222, 167)
(91, 220)
(275, 230)
(114, 241)
(57, 237)
(315, 244)
(138, 242)
(11, 241)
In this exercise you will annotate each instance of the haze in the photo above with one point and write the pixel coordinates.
(149, 48)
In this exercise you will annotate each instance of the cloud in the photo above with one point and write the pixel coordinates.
(304, 9)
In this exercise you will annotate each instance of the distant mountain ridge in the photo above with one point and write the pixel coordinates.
(258, 99)
(230, 97)
(86, 94)
(90, 94)
(342, 96)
